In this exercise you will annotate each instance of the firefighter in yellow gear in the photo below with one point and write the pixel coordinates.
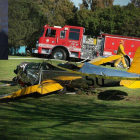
(122, 54)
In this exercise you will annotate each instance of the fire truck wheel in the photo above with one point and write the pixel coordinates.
(59, 54)
(127, 62)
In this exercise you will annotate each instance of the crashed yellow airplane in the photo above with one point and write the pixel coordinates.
(45, 78)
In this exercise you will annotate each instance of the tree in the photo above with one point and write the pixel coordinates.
(131, 22)
(121, 20)
(27, 18)
(136, 3)
(58, 12)
(82, 18)
(96, 4)
(84, 4)
(24, 21)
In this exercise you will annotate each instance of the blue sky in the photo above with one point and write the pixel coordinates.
(116, 2)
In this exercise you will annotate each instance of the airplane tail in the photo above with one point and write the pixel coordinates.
(135, 68)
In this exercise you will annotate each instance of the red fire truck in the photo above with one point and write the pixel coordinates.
(70, 41)
(110, 45)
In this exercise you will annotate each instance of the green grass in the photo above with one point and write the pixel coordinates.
(91, 116)
(7, 66)
(69, 117)
(15, 56)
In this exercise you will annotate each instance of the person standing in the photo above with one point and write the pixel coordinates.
(122, 54)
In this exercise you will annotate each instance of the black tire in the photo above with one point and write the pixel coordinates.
(59, 54)
(62, 91)
(127, 62)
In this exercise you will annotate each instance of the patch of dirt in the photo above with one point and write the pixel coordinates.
(132, 98)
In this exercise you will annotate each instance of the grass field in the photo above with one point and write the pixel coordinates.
(98, 115)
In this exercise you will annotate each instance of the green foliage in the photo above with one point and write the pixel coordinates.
(58, 12)
(82, 18)
(131, 22)
(24, 22)
(121, 20)
(26, 18)
(136, 2)
(96, 4)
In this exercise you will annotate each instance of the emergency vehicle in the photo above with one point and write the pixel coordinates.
(69, 41)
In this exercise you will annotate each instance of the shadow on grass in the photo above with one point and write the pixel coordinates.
(6, 82)
(32, 95)
(112, 95)
(64, 117)
(106, 95)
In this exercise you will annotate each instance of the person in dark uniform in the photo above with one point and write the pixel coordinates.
(3, 46)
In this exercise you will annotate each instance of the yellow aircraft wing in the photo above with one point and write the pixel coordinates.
(130, 83)
(42, 88)
(46, 86)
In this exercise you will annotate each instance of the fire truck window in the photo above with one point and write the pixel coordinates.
(42, 32)
(50, 34)
(74, 36)
(74, 30)
(53, 33)
(62, 34)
